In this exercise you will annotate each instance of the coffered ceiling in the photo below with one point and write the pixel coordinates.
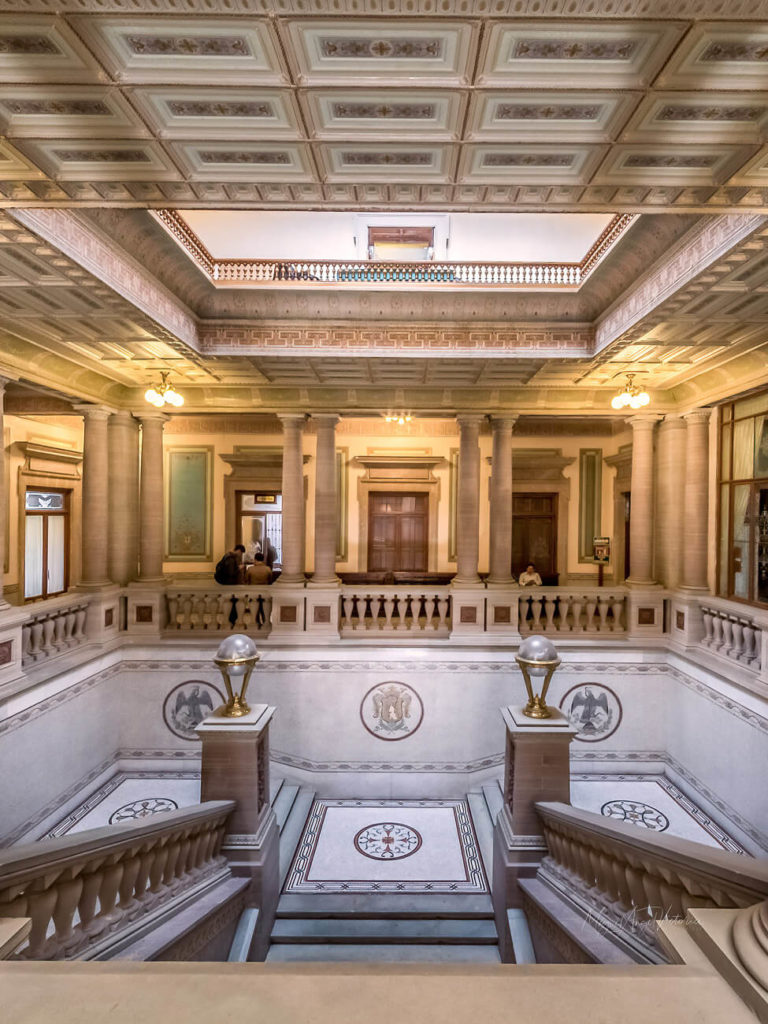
(225, 105)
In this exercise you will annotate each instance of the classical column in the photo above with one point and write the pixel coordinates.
(293, 498)
(123, 529)
(501, 500)
(151, 497)
(4, 498)
(326, 512)
(468, 503)
(696, 517)
(641, 510)
(670, 459)
(95, 495)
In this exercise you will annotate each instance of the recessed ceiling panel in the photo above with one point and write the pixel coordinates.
(669, 165)
(388, 162)
(42, 49)
(102, 160)
(615, 55)
(700, 117)
(544, 116)
(225, 52)
(62, 112)
(244, 161)
(719, 56)
(530, 164)
(393, 52)
(384, 113)
(204, 113)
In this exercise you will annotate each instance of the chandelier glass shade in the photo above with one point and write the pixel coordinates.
(398, 417)
(163, 393)
(632, 396)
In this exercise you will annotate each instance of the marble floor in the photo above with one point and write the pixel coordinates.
(383, 846)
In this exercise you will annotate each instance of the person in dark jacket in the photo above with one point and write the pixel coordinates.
(228, 570)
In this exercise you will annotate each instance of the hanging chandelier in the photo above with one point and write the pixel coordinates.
(632, 396)
(398, 417)
(164, 393)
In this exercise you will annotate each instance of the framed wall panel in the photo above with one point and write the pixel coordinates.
(342, 488)
(590, 500)
(188, 513)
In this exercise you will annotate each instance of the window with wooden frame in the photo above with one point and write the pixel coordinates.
(46, 543)
(743, 500)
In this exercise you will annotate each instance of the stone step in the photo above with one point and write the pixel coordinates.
(275, 782)
(286, 953)
(385, 905)
(494, 798)
(283, 803)
(372, 931)
(481, 819)
(293, 829)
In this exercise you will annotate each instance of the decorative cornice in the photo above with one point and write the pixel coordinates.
(111, 265)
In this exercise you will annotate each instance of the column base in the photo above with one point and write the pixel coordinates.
(288, 609)
(467, 610)
(502, 609)
(645, 610)
(322, 609)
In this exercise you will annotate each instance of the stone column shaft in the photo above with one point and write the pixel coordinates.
(95, 496)
(696, 516)
(501, 500)
(641, 512)
(293, 498)
(326, 511)
(468, 510)
(670, 460)
(123, 528)
(151, 497)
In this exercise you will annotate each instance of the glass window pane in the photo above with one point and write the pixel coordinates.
(740, 549)
(725, 453)
(761, 446)
(33, 556)
(56, 534)
(48, 500)
(750, 406)
(743, 449)
(762, 545)
(725, 537)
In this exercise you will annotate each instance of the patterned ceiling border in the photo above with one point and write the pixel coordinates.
(300, 273)
(737, 10)
(543, 340)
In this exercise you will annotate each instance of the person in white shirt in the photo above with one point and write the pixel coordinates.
(530, 578)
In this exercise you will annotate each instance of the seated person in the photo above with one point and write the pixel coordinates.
(258, 572)
(530, 578)
(227, 571)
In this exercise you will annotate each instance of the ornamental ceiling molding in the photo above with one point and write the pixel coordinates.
(105, 261)
(543, 340)
(661, 10)
(702, 246)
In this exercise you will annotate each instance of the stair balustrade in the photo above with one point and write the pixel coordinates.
(53, 627)
(82, 889)
(733, 633)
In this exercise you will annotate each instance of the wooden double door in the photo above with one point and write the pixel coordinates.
(534, 533)
(397, 532)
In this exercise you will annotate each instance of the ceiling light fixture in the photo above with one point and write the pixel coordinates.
(398, 417)
(631, 396)
(164, 393)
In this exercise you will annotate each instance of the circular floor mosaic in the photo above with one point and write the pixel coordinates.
(636, 813)
(387, 841)
(138, 809)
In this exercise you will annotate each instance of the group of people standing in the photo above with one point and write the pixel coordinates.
(233, 569)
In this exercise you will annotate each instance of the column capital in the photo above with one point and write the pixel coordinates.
(124, 416)
(152, 416)
(95, 412)
(292, 419)
(5, 380)
(325, 419)
(644, 421)
(470, 419)
(503, 422)
(697, 416)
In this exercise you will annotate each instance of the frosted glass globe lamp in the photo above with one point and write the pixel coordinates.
(236, 658)
(538, 659)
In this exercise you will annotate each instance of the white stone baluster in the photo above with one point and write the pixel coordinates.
(564, 604)
(707, 615)
(389, 607)
(590, 608)
(717, 631)
(549, 611)
(737, 631)
(750, 643)
(47, 641)
(603, 604)
(442, 612)
(80, 617)
(727, 625)
(536, 603)
(617, 607)
(576, 606)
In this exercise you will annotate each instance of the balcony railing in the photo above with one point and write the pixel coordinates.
(583, 610)
(216, 609)
(363, 272)
(53, 627)
(731, 632)
(374, 611)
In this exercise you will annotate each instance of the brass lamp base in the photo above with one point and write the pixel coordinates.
(235, 707)
(536, 709)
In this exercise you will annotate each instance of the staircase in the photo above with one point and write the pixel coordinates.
(376, 927)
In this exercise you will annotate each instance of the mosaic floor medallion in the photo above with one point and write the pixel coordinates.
(636, 813)
(138, 809)
(387, 841)
(387, 846)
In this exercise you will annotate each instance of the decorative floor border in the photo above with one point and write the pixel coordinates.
(475, 883)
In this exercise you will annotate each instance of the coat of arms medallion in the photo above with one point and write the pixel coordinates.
(188, 704)
(593, 710)
(391, 711)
